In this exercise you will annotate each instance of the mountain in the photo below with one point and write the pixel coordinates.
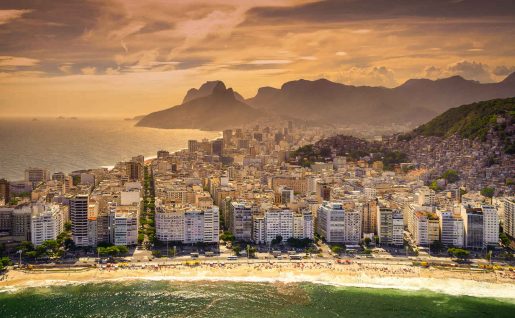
(415, 101)
(205, 90)
(471, 121)
(215, 111)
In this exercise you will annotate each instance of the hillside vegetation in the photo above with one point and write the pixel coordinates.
(469, 121)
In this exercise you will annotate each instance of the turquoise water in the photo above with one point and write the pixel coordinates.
(222, 299)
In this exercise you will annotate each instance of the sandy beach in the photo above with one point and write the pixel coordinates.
(496, 284)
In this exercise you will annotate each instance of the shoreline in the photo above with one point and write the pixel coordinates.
(482, 285)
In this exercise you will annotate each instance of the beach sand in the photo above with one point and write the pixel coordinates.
(495, 284)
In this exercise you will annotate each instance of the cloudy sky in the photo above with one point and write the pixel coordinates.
(130, 57)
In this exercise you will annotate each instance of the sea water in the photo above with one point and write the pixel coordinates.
(73, 144)
(240, 299)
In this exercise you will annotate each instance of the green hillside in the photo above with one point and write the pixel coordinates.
(469, 121)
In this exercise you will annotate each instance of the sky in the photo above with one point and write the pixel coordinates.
(131, 57)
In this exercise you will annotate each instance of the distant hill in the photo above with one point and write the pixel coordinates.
(469, 121)
(415, 101)
(205, 90)
(216, 111)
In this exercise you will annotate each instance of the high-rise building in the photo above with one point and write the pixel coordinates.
(6, 220)
(425, 228)
(4, 191)
(217, 147)
(337, 225)
(278, 223)
(451, 229)
(187, 224)
(304, 225)
(79, 219)
(36, 175)
(285, 195)
(58, 176)
(490, 226)
(240, 215)
(390, 226)
(193, 146)
(135, 170)
(473, 226)
(352, 220)
(47, 223)
(369, 217)
(162, 154)
(509, 216)
(21, 222)
(397, 229)
(169, 222)
(227, 137)
(123, 221)
(258, 230)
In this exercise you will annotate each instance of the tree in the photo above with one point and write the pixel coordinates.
(451, 176)
(505, 240)
(367, 241)
(299, 243)
(4, 262)
(277, 240)
(227, 237)
(435, 187)
(507, 255)
(156, 253)
(437, 246)
(251, 251)
(488, 256)
(236, 249)
(26, 246)
(459, 253)
(488, 192)
(67, 226)
(336, 249)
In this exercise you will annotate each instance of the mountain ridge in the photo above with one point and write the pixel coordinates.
(216, 111)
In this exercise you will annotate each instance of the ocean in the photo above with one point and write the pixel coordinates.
(232, 299)
(66, 144)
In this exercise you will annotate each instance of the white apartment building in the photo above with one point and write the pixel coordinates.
(451, 229)
(278, 223)
(490, 226)
(304, 225)
(169, 222)
(47, 223)
(337, 225)
(424, 227)
(193, 226)
(258, 230)
(397, 229)
(123, 224)
(330, 222)
(187, 224)
(352, 233)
